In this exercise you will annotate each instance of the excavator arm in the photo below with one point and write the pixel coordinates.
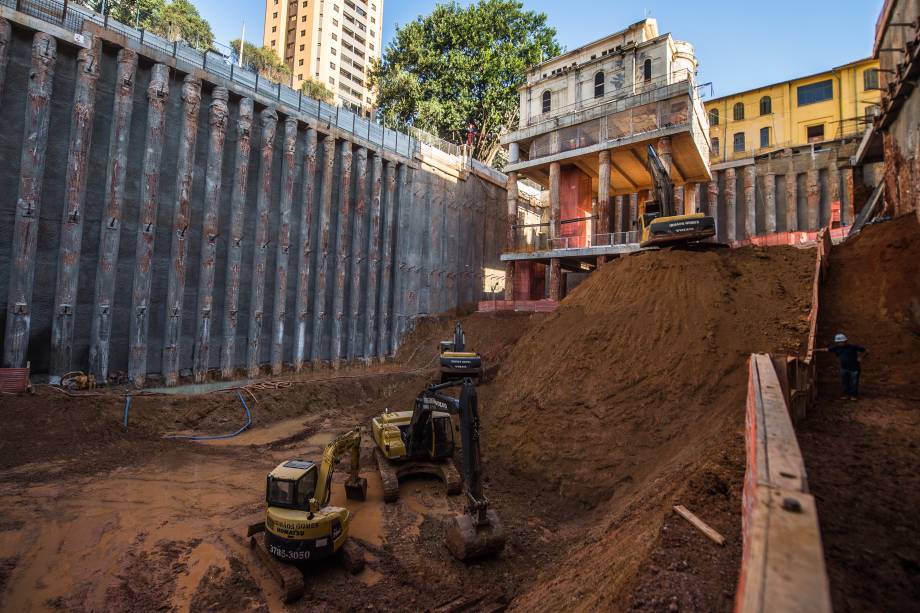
(478, 532)
(355, 487)
(662, 186)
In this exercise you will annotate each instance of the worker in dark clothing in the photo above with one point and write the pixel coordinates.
(849, 356)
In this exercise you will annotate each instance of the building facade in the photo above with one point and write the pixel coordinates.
(330, 41)
(587, 119)
(781, 154)
(828, 106)
(893, 140)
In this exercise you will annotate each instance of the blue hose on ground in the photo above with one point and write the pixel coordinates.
(218, 436)
(127, 409)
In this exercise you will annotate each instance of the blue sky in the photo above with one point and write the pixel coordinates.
(740, 44)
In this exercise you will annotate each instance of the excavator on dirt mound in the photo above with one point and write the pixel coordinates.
(300, 525)
(660, 224)
(412, 442)
(456, 362)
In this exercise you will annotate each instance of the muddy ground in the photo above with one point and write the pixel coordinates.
(585, 455)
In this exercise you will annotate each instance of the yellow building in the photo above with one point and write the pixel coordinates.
(821, 107)
(330, 41)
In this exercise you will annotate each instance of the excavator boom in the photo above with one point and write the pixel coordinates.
(355, 487)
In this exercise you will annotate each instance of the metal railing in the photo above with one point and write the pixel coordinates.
(73, 17)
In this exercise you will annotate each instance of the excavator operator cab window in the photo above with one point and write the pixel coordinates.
(292, 494)
(652, 212)
(443, 443)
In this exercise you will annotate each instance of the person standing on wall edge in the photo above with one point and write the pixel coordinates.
(849, 356)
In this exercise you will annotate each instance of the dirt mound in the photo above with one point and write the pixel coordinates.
(629, 399)
(647, 356)
(874, 297)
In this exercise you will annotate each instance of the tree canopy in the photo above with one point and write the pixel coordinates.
(173, 20)
(462, 65)
(263, 60)
(317, 90)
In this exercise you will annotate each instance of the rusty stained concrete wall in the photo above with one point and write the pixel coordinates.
(159, 241)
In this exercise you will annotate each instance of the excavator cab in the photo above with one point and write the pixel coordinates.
(291, 485)
(456, 361)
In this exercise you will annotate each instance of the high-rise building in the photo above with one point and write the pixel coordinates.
(330, 41)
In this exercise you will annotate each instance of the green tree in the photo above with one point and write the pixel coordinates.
(462, 65)
(263, 60)
(317, 90)
(174, 20)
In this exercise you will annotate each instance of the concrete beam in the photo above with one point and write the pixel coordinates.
(218, 116)
(849, 215)
(320, 346)
(235, 241)
(510, 240)
(712, 202)
(554, 201)
(792, 198)
(769, 201)
(283, 249)
(343, 255)
(6, 34)
(731, 212)
(304, 330)
(813, 192)
(372, 293)
(555, 279)
(70, 250)
(389, 211)
(356, 323)
(268, 120)
(157, 98)
(622, 173)
(111, 223)
(182, 214)
(603, 193)
(750, 212)
(28, 205)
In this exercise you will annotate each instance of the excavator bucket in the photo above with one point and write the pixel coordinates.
(356, 489)
(467, 541)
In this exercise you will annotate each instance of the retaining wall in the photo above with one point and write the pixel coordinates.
(160, 219)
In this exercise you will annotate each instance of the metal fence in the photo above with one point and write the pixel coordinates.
(73, 17)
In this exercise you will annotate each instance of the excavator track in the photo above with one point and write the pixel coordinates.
(287, 575)
(391, 473)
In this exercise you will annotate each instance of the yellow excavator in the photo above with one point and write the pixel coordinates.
(417, 442)
(300, 525)
(478, 531)
(456, 362)
(661, 225)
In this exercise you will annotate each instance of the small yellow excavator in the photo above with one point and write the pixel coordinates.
(661, 224)
(456, 362)
(428, 435)
(300, 525)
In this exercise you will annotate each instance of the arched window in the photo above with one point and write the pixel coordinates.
(599, 85)
(738, 111)
(714, 117)
(647, 70)
(766, 105)
(547, 101)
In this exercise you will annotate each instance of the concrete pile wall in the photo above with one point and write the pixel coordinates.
(791, 191)
(157, 221)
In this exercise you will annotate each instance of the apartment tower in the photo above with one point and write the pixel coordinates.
(331, 41)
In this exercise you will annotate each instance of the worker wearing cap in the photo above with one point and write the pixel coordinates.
(849, 356)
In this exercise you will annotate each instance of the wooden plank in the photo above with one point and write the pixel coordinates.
(703, 527)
